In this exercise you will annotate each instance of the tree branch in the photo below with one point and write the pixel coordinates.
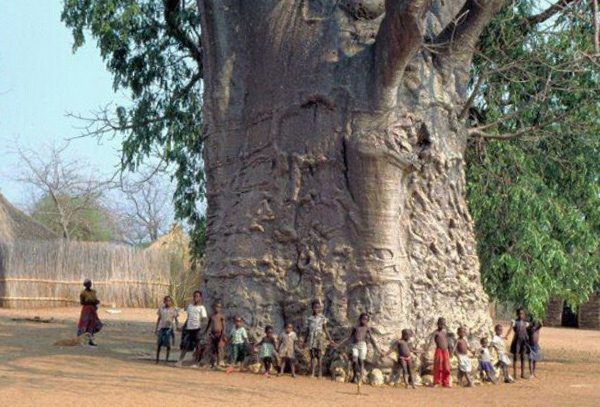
(478, 132)
(400, 36)
(172, 8)
(459, 38)
(549, 12)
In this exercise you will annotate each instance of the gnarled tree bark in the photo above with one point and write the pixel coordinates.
(334, 161)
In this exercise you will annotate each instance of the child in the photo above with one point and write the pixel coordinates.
(404, 352)
(461, 350)
(518, 346)
(485, 363)
(164, 326)
(360, 335)
(535, 353)
(503, 359)
(216, 325)
(316, 327)
(192, 330)
(287, 349)
(267, 350)
(441, 361)
(239, 340)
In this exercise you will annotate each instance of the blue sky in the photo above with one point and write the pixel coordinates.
(40, 81)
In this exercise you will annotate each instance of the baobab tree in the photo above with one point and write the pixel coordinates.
(332, 136)
(334, 159)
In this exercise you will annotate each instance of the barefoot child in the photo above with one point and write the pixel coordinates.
(503, 359)
(88, 320)
(518, 346)
(216, 325)
(287, 349)
(404, 352)
(192, 329)
(486, 370)
(462, 350)
(316, 328)
(239, 341)
(535, 353)
(441, 360)
(167, 320)
(359, 336)
(267, 346)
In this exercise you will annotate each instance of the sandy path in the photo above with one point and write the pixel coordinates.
(120, 373)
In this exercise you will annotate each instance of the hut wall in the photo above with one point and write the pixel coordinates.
(554, 311)
(50, 274)
(589, 313)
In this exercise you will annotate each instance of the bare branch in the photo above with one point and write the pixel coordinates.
(477, 132)
(549, 12)
(459, 38)
(400, 36)
(596, 27)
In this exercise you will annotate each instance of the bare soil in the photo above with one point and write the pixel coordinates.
(121, 372)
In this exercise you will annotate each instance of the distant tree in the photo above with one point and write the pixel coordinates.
(144, 205)
(66, 193)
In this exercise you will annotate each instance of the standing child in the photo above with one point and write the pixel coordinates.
(316, 328)
(486, 370)
(503, 359)
(535, 353)
(359, 336)
(216, 325)
(167, 314)
(441, 360)
(518, 346)
(287, 349)
(462, 350)
(404, 352)
(267, 350)
(192, 330)
(239, 340)
(88, 320)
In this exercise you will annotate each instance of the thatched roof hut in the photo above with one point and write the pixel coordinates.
(17, 225)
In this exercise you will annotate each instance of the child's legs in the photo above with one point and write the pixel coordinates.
(437, 371)
(405, 371)
(168, 353)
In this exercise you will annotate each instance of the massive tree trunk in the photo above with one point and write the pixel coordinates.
(334, 161)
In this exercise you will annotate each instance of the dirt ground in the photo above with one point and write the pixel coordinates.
(120, 372)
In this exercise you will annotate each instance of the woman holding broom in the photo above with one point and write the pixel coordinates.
(89, 321)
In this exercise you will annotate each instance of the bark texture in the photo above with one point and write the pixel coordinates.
(334, 161)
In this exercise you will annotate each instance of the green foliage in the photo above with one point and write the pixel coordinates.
(86, 219)
(152, 48)
(535, 199)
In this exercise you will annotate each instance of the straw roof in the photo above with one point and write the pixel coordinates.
(177, 243)
(17, 225)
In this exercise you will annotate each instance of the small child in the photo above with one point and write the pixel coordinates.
(216, 325)
(486, 370)
(441, 360)
(503, 359)
(461, 350)
(287, 349)
(192, 330)
(316, 327)
(239, 341)
(519, 345)
(404, 351)
(268, 344)
(167, 314)
(360, 335)
(535, 353)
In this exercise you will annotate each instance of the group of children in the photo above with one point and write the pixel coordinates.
(283, 348)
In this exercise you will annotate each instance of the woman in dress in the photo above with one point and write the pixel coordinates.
(89, 321)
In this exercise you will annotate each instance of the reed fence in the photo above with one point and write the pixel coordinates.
(50, 274)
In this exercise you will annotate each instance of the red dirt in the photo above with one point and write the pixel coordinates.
(120, 372)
